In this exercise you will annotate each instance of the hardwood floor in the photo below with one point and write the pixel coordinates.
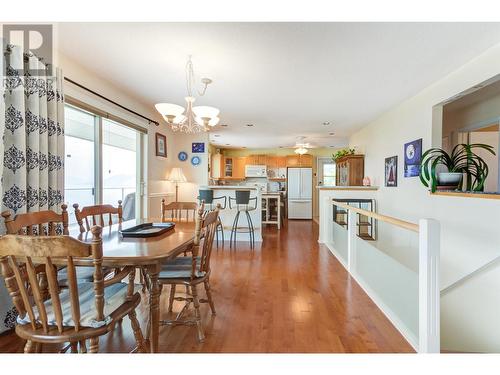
(287, 295)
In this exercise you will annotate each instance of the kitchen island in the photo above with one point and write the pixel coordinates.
(227, 215)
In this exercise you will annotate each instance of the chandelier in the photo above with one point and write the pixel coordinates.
(301, 148)
(191, 119)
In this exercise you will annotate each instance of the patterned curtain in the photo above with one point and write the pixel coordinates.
(33, 143)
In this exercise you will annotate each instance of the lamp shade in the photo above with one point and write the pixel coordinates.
(212, 122)
(205, 111)
(176, 175)
(169, 109)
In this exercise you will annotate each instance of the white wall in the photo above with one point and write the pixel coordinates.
(158, 168)
(470, 226)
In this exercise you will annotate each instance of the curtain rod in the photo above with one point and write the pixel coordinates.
(111, 101)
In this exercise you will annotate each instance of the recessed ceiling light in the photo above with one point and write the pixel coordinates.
(326, 123)
(249, 125)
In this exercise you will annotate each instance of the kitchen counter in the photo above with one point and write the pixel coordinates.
(228, 215)
(347, 187)
(231, 187)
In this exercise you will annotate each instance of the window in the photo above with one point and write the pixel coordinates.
(329, 174)
(103, 162)
(326, 171)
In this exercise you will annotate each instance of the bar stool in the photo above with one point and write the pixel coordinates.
(243, 205)
(207, 196)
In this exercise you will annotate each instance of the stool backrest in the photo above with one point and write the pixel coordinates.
(206, 196)
(242, 196)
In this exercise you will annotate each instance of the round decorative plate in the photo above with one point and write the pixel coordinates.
(182, 156)
(195, 160)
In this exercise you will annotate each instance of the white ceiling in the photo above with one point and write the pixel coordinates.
(285, 78)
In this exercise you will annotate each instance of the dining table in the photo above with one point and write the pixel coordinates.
(146, 253)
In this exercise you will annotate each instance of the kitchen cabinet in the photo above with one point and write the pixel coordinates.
(257, 160)
(228, 167)
(350, 170)
(252, 160)
(239, 164)
(217, 166)
(296, 160)
(280, 161)
(234, 167)
(272, 162)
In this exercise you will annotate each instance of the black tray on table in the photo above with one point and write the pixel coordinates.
(147, 230)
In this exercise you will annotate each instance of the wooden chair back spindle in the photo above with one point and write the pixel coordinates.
(38, 223)
(19, 256)
(97, 215)
(177, 211)
(205, 231)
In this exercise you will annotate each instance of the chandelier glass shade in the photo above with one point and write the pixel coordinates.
(301, 150)
(190, 119)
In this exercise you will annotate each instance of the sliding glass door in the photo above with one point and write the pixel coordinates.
(120, 162)
(103, 163)
(79, 161)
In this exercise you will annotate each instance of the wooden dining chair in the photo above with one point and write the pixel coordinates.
(193, 270)
(97, 213)
(178, 211)
(44, 223)
(37, 223)
(82, 311)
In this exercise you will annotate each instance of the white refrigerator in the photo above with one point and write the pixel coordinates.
(299, 193)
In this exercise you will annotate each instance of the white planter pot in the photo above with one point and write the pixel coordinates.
(449, 178)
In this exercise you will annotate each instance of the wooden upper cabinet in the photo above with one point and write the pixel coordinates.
(217, 166)
(280, 161)
(306, 160)
(251, 160)
(292, 161)
(239, 167)
(272, 162)
(350, 170)
(296, 160)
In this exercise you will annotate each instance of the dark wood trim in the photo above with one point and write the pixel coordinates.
(111, 101)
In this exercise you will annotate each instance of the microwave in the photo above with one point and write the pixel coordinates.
(255, 171)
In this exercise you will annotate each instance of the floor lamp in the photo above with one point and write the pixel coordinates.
(177, 176)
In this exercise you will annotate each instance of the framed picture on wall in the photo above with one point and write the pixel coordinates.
(161, 145)
(413, 157)
(198, 147)
(391, 171)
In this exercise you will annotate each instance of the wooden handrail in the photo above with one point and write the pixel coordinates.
(399, 223)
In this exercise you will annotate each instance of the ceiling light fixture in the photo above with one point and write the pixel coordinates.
(326, 123)
(192, 119)
(249, 125)
(301, 150)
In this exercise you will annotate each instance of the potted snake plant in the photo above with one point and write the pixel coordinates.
(462, 161)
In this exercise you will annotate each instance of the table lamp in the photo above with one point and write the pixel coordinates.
(177, 176)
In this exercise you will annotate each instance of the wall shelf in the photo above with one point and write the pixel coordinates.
(467, 194)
